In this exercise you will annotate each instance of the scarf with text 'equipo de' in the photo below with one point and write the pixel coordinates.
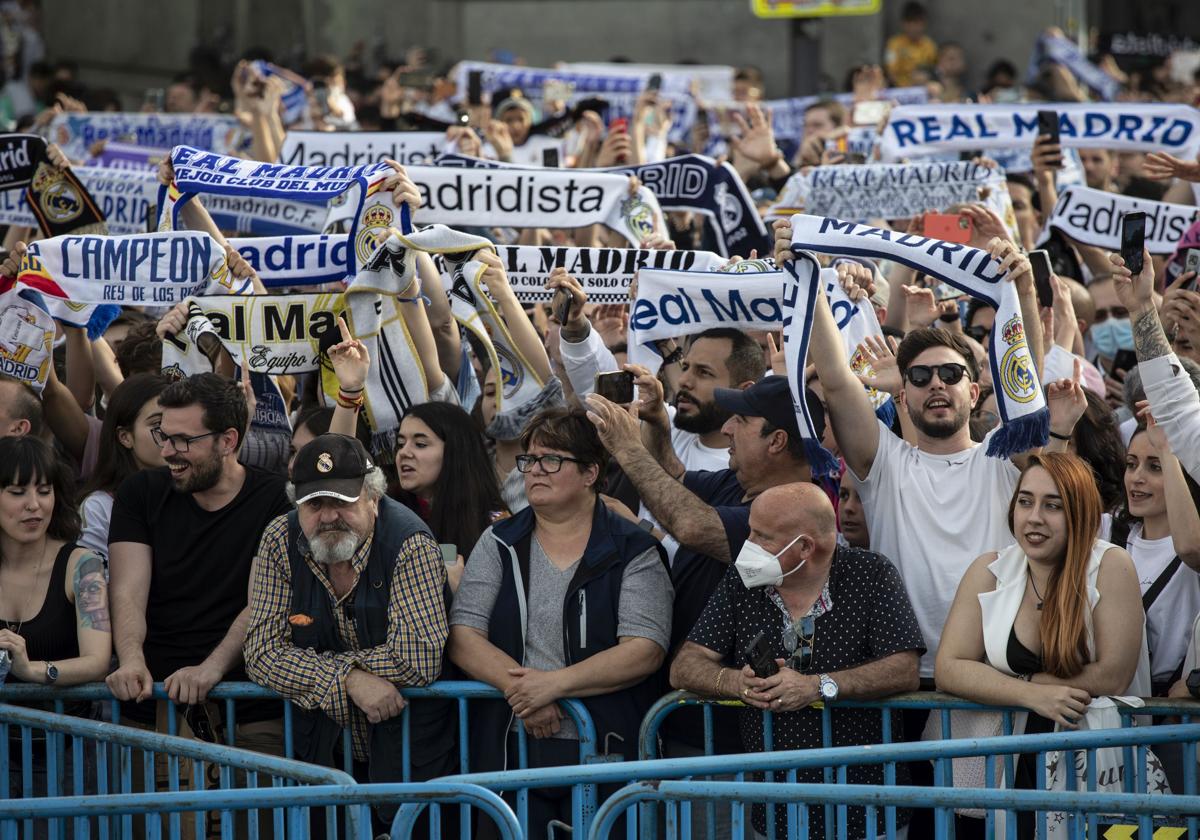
(1023, 411)
(1093, 217)
(1125, 126)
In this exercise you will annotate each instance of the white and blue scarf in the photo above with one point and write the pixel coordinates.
(1058, 50)
(1023, 411)
(1125, 126)
(26, 337)
(126, 199)
(1093, 217)
(75, 133)
(890, 191)
(128, 156)
(356, 148)
(295, 90)
(294, 261)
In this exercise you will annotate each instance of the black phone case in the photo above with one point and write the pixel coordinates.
(761, 660)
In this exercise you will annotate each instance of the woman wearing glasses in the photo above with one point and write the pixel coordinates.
(1046, 624)
(564, 599)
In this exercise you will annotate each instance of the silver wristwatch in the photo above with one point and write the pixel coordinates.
(828, 687)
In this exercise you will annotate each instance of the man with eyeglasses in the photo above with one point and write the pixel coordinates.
(181, 546)
(836, 621)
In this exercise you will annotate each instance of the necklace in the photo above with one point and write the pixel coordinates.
(1036, 594)
(37, 576)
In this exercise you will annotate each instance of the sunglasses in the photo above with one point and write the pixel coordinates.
(1106, 312)
(921, 375)
(980, 334)
(801, 635)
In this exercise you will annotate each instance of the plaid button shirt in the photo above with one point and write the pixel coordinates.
(412, 655)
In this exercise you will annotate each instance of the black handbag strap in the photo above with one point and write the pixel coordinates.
(1161, 583)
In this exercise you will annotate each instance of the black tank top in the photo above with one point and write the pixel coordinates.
(51, 634)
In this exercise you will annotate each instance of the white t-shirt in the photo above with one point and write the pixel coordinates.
(931, 515)
(96, 513)
(694, 455)
(1169, 620)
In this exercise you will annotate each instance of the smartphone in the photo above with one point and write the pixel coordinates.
(615, 386)
(949, 227)
(1192, 263)
(945, 291)
(760, 657)
(154, 98)
(655, 82)
(619, 124)
(550, 158)
(1048, 124)
(1124, 360)
(475, 87)
(1040, 260)
(449, 553)
(560, 305)
(1133, 240)
(837, 145)
(870, 113)
(321, 93)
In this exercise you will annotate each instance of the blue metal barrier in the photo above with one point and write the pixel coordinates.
(872, 797)
(115, 750)
(229, 693)
(296, 802)
(837, 760)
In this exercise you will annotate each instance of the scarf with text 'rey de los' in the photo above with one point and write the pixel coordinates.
(149, 269)
(1023, 411)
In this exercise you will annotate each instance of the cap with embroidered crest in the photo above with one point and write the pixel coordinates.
(332, 466)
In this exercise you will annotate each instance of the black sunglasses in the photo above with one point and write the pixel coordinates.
(921, 375)
(980, 334)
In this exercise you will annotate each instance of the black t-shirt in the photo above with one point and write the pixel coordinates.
(695, 576)
(871, 618)
(200, 566)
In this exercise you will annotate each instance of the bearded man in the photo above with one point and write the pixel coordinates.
(348, 606)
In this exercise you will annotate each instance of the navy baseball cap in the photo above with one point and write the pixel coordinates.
(771, 399)
(331, 465)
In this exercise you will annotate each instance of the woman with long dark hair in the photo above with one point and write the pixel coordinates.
(1046, 623)
(126, 446)
(446, 474)
(1159, 525)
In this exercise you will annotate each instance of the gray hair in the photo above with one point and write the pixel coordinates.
(374, 482)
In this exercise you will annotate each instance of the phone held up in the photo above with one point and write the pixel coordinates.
(949, 227)
(1133, 240)
(560, 305)
(615, 386)
(758, 652)
(1040, 260)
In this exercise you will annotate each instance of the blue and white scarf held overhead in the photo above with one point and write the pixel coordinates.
(1022, 406)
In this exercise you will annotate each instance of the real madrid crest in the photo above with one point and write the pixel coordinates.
(324, 462)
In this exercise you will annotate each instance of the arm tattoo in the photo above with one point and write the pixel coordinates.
(91, 593)
(1149, 340)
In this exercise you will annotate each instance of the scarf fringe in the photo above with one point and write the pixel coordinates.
(101, 318)
(820, 460)
(1020, 435)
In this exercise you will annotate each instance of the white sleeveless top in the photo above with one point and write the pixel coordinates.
(1011, 568)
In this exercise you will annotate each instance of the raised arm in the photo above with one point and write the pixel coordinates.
(525, 338)
(854, 423)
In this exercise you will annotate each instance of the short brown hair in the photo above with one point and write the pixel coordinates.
(570, 430)
(141, 351)
(919, 340)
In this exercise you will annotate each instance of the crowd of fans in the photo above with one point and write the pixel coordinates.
(581, 548)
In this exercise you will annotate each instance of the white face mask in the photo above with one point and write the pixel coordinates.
(759, 567)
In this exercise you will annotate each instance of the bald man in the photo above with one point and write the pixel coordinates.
(836, 620)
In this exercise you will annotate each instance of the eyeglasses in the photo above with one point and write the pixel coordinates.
(179, 443)
(803, 637)
(921, 375)
(549, 463)
(1106, 312)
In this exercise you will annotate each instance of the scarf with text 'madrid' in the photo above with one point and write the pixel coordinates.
(1023, 411)
(1093, 217)
(674, 304)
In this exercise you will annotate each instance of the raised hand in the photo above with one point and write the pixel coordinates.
(1067, 401)
(880, 354)
(350, 360)
(1161, 166)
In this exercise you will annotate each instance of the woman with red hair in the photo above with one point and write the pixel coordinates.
(1053, 620)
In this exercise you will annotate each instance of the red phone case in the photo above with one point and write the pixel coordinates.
(948, 227)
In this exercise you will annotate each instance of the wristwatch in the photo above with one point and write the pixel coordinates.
(1193, 683)
(51, 673)
(828, 687)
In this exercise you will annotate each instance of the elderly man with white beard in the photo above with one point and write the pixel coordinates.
(348, 605)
